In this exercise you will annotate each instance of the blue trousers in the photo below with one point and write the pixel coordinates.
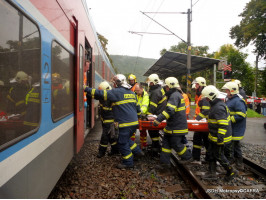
(126, 146)
(170, 142)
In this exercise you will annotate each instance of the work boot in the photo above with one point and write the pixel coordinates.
(123, 166)
(231, 173)
(155, 152)
(211, 174)
(100, 154)
(239, 164)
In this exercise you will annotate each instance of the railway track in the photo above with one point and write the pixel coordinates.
(250, 183)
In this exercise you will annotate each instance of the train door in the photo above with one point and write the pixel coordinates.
(79, 97)
(87, 81)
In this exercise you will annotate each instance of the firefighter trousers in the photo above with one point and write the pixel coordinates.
(126, 146)
(173, 142)
(106, 138)
(154, 135)
(200, 139)
(216, 153)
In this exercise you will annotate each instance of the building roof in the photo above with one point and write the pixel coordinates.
(175, 64)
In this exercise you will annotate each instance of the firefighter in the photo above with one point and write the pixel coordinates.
(220, 133)
(238, 113)
(201, 112)
(16, 95)
(32, 101)
(126, 113)
(107, 118)
(157, 105)
(132, 80)
(176, 127)
(241, 90)
(143, 102)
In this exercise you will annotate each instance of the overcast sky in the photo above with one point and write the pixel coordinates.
(211, 23)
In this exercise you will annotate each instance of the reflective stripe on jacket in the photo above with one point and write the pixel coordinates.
(219, 123)
(238, 113)
(158, 100)
(124, 104)
(175, 114)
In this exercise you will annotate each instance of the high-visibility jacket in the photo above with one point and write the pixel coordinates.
(187, 103)
(202, 108)
(143, 101)
(219, 123)
(124, 104)
(175, 114)
(238, 113)
(158, 100)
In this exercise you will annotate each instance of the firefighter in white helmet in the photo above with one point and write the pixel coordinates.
(107, 118)
(241, 90)
(176, 127)
(126, 113)
(238, 113)
(202, 109)
(220, 133)
(157, 105)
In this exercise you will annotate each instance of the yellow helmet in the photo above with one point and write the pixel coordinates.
(105, 86)
(172, 82)
(153, 78)
(132, 77)
(210, 92)
(232, 87)
(200, 80)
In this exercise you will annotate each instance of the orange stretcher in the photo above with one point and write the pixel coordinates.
(193, 125)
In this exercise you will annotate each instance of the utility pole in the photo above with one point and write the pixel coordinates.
(189, 79)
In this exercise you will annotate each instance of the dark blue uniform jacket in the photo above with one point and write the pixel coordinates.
(124, 104)
(238, 113)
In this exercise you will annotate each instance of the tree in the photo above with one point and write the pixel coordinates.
(241, 69)
(252, 27)
(104, 43)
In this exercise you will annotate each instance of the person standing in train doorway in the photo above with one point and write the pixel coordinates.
(157, 105)
(202, 109)
(126, 113)
(176, 125)
(107, 118)
(238, 114)
(220, 133)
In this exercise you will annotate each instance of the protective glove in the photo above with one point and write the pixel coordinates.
(84, 87)
(156, 123)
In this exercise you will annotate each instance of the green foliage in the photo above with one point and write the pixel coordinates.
(252, 113)
(252, 27)
(241, 70)
(133, 65)
(104, 43)
(261, 90)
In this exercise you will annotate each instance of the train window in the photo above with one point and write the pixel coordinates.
(62, 82)
(81, 64)
(20, 66)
